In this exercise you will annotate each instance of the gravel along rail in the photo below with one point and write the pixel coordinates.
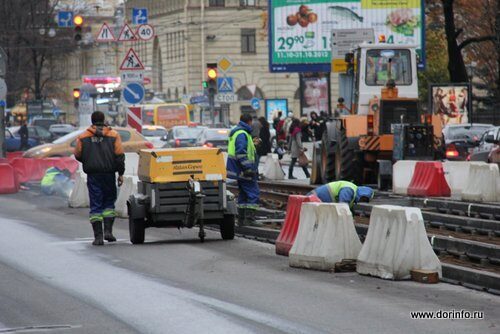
(465, 236)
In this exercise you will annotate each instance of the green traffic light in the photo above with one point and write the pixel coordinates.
(205, 84)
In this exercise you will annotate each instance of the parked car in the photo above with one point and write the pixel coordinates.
(38, 133)
(59, 130)
(13, 143)
(155, 133)
(460, 139)
(213, 137)
(483, 148)
(65, 146)
(44, 122)
(184, 136)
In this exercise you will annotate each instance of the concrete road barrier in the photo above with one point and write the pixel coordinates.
(79, 196)
(272, 168)
(326, 236)
(396, 243)
(482, 183)
(128, 188)
(402, 173)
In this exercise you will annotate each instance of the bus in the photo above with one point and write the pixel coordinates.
(171, 114)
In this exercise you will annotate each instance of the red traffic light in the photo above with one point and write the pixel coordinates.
(76, 93)
(78, 20)
(212, 73)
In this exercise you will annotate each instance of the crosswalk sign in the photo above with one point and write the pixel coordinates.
(131, 62)
(225, 85)
(127, 34)
(105, 34)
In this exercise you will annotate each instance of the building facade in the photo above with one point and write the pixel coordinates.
(192, 33)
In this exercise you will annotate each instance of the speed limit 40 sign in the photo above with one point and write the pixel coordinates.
(145, 32)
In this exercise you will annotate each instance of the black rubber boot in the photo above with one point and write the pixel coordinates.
(98, 236)
(108, 229)
(290, 173)
(241, 216)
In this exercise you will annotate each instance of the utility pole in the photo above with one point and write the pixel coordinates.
(3, 101)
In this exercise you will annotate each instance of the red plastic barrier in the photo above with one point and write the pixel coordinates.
(12, 155)
(39, 168)
(8, 183)
(70, 164)
(4, 161)
(24, 169)
(289, 230)
(428, 180)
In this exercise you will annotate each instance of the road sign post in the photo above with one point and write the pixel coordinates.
(3, 97)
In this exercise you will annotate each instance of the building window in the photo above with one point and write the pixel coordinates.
(216, 3)
(247, 3)
(247, 40)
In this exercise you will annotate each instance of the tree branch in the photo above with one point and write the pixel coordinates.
(458, 32)
(475, 40)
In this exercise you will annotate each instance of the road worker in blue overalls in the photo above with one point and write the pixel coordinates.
(343, 192)
(99, 149)
(242, 166)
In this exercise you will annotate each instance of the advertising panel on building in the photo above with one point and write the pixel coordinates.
(300, 31)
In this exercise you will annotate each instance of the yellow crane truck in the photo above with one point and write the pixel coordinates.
(385, 95)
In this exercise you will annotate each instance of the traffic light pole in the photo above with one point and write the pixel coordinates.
(3, 68)
(211, 103)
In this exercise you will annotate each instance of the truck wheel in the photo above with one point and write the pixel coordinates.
(136, 229)
(227, 227)
(337, 160)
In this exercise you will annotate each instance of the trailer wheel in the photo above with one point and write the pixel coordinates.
(338, 161)
(136, 229)
(227, 227)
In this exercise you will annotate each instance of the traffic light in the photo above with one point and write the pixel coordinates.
(76, 96)
(78, 22)
(211, 82)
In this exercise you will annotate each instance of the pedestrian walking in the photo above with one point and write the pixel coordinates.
(100, 151)
(343, 192)
(276, 120)
(264, 146)
(24, 134)
(296, 148)
(242, 166)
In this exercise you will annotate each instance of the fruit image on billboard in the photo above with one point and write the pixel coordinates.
(300, 31)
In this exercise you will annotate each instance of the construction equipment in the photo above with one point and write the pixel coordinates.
(385, 94)
(181, 188)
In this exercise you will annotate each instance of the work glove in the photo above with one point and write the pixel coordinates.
(249, 173)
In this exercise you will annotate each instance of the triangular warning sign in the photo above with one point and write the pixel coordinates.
(131, 62)
(127, 34)
(105, 34)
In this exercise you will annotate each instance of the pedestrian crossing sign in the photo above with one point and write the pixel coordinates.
(105, 34)
(225, 85)
(127, 34)
(131, 62)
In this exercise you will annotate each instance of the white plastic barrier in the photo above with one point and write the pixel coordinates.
(79, 196)
(396, 243)
(326, 236)
(482, 183)
(128, 188)
(272, 168)
(457, 175)
(402, 173)
(131, 163)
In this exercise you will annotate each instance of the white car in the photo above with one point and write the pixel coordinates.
(155, 134)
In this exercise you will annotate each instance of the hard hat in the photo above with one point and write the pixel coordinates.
(365, 192)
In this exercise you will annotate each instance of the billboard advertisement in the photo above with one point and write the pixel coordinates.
(274, 106)
(300, 31)
(451, 102)
(314, 93)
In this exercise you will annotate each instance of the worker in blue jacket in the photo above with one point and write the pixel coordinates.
(242, 166)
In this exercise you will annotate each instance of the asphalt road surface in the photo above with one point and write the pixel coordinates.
(52, 280)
